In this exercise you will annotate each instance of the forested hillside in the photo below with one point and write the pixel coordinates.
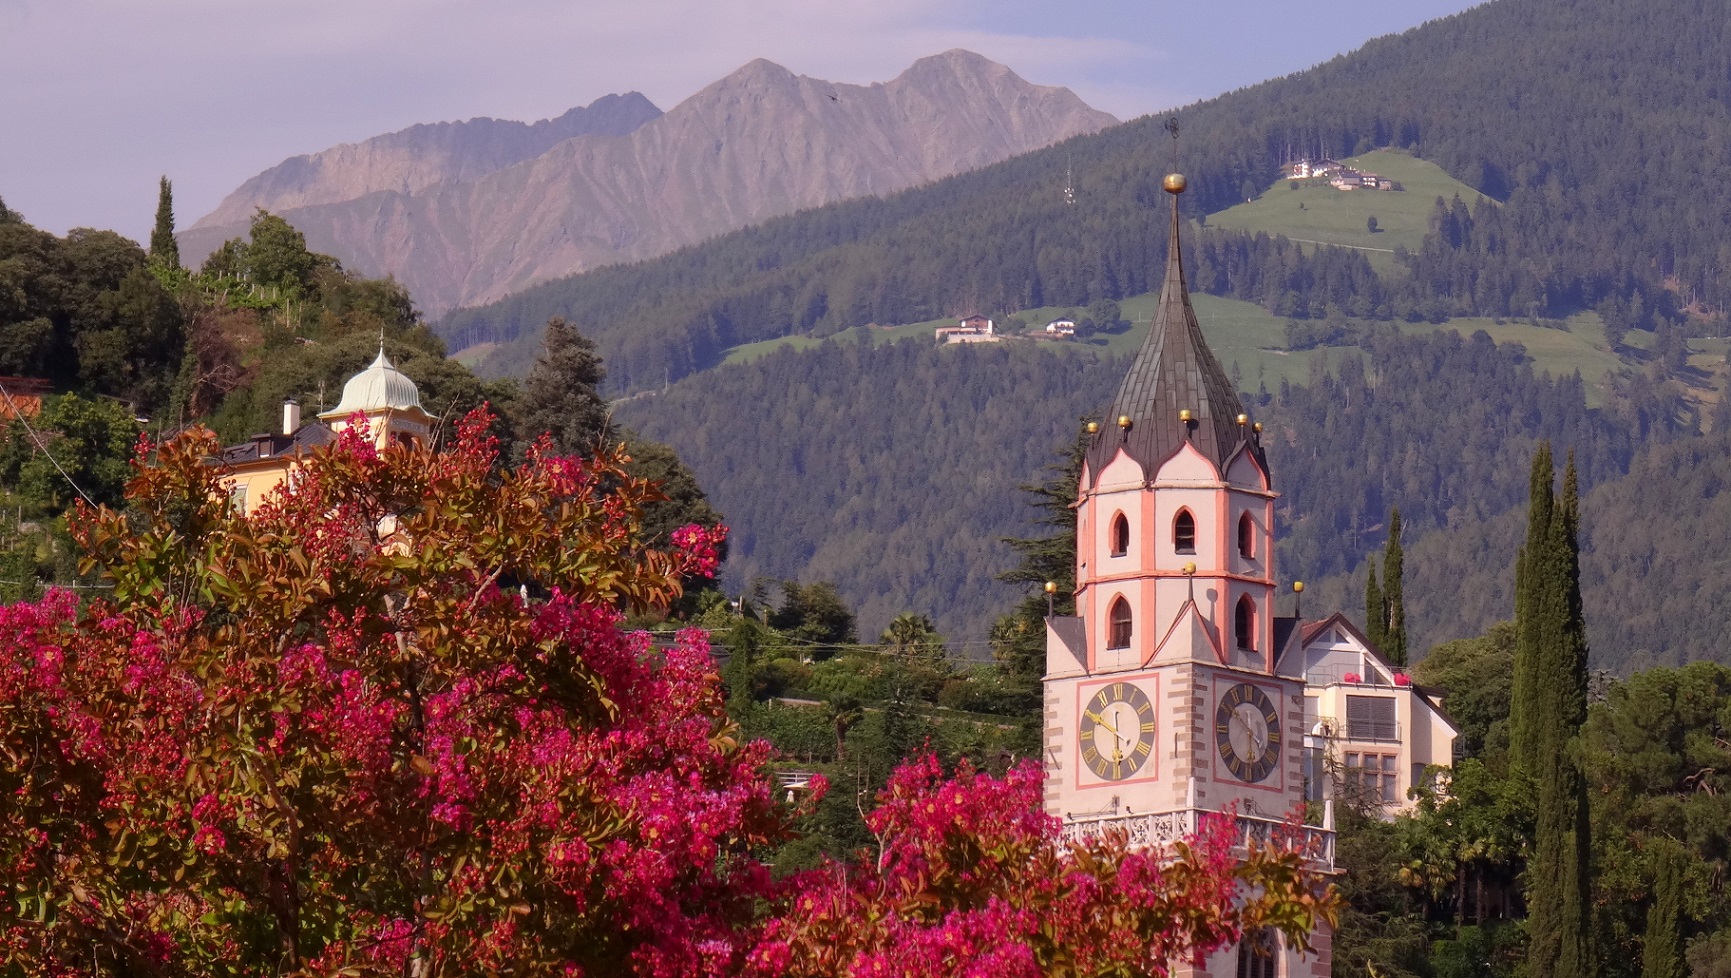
(1541, 104)
(892, 470)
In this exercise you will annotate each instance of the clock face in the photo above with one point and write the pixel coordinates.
(1117, 731)
(1247, 731)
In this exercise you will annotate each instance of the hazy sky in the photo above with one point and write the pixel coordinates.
(100, 97)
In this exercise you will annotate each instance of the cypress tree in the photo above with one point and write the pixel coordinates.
(1375, 608)
(1662, 953)
(163, 248)
(1394, 643)
(1549, 705)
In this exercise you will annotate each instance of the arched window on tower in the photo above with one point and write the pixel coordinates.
(1246, 537)
(1256, 954)
(1244, 623)
(1118, 636)
(1184, 533)
(1120, 535)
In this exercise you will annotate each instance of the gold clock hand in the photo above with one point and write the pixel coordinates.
(1102, 721)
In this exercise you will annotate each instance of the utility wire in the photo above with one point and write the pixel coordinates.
(16, 413)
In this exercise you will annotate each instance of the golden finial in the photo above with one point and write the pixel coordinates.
(1051, 587)
(1184, 415)
(1124, 421)
(1093, 427)
(1298, 586)
(1243, 419)
(1257, 427)
(1174, 183)
(1190, 568)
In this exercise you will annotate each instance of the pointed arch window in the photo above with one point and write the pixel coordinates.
(1184, 532)
(1244, 624)
(1256, 954)
(1246, 537)
(1118, 632)
(1120, 535)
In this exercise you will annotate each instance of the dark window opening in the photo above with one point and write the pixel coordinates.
(1119, 635)
(1246, 537)
(1371, 718)
(1244, 623)
(1184, 533)
(1256, 956)
(1120, 535)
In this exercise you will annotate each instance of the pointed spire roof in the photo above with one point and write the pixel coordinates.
(1174, 371)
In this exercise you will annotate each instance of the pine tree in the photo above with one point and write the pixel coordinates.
(1548, 708)
(561, 395)
(1394, 635)
(164, 250)
(1375, 607)
(1662, 952)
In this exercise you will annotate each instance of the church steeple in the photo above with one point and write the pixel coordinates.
(1174, 372)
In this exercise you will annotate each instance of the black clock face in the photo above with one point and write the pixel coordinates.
(1247, 731)
(1117, 731)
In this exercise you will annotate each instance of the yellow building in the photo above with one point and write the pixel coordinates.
(382, 394)
(1372, 734)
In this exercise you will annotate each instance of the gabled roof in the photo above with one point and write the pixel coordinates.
(270, 446)
(1174, 371)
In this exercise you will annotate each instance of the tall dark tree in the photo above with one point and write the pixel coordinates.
(164, 250)
(1550, 704)
(1375, 607)
(1662, 948)
(1394, 603)
(561, 395)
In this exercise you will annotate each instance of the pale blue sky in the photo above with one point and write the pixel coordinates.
(99, 97)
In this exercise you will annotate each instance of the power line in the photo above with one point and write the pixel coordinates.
(16, 413)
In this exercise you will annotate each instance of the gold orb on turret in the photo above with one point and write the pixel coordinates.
(1185, 416)
(1190, 569)
(1124, 421)
(1093, 427)
(1257, 427)
(1298, 587)
(1174, 183)
(1051, 587)
(1243, 419)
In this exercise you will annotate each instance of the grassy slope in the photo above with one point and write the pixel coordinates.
(1340, 217)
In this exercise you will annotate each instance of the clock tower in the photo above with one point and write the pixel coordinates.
(1175, 690)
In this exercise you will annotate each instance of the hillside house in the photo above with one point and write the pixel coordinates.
(970, 329)
(1061, 328)
(1306, 169)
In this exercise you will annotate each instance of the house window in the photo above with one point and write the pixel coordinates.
(237, 496)
(1246, 537)
(1370, 778)
(1244, 623)
(1184, 533)
(1120, 535)
(1256, 954)
(1119, 635)
(1371, 718)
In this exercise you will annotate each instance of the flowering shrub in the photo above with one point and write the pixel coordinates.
(332, 736)
(1402, 679)
(970, 879)
(1352, 677)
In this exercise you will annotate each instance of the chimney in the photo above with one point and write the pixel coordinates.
(291, 416)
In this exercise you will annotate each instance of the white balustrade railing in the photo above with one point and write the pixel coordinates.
(1162, 829)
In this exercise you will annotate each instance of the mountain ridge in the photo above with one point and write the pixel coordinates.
(759, 143)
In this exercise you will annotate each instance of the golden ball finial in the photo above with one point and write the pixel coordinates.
(1190, 568)
(1298, 586)
(1185, 416)
(1174, 183)
(1124, 421)
(1243, 419)
(1093, 427)
(1257, 427)
(1051, 587)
